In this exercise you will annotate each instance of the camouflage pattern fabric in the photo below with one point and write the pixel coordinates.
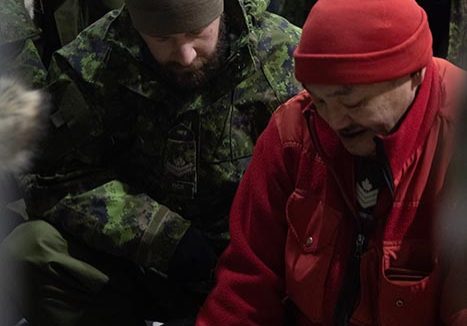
(132, 163)
(15, 23)
(72, 16)
(458, 33)
(131, 224)
(26, 45)
(19, 56)
(62, 20)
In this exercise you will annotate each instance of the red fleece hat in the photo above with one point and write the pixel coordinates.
(362, 41)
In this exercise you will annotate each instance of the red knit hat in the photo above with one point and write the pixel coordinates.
(362, 41)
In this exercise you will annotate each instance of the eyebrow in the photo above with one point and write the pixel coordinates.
(198, 31)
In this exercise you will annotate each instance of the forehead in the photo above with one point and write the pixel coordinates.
(331, 91)
(207, 29)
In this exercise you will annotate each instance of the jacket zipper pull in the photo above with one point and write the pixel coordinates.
(359, 245)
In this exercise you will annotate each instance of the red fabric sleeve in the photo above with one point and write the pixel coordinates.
(250, 273)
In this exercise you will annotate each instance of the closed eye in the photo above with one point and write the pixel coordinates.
(162, 39)
(196, 33)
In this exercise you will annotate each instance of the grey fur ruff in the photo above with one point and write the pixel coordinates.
(22, 120)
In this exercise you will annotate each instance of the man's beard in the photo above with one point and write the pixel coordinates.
(193, 78)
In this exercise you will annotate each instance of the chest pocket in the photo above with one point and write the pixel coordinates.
(409, 283)
(229, 130)
(313, 228)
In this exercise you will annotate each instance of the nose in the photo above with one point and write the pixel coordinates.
(184, 54)
(336, 116)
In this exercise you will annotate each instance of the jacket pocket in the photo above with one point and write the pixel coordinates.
(409, 284)
(312, 230)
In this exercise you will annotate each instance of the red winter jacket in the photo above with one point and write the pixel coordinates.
(292, 223)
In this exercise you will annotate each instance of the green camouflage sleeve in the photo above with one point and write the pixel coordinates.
(113, 218)
(75, 187)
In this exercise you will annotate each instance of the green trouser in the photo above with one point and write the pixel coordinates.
(56, 281)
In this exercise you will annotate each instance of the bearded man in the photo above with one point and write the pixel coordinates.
(157, 108)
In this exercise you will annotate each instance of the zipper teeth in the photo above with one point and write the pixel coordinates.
(360, 241)
(359, 245)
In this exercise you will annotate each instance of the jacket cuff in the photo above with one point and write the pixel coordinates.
(161, 238)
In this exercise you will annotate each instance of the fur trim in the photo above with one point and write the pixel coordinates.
(22, 121)
(29, 5)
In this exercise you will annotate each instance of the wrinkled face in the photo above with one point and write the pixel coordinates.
(358, 113)
(187, 59)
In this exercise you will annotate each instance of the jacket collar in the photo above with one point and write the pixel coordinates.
(401, 146)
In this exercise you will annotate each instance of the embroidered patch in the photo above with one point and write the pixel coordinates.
(366, 194)
(181, 161)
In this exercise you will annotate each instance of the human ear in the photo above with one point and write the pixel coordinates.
(417, 77)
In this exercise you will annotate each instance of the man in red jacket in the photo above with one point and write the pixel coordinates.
(333, 223)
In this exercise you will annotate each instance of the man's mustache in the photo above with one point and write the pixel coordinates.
(351, 131)
(178, 68)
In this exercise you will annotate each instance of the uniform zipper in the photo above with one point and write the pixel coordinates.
(351, 283)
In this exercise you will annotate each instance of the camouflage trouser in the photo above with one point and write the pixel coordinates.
(56, 282)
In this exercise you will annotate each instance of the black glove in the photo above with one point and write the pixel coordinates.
(193, 260)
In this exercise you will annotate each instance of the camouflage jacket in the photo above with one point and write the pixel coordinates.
(62, 20)
(19, 56)
(130, 163)
(28, 40)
